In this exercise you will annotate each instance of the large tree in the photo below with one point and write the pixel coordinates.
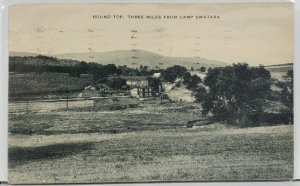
(236, 92)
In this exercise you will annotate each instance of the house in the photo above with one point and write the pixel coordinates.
(103, 88)
(146, 91)
(154, 89)
(89, 91)
(139, 86)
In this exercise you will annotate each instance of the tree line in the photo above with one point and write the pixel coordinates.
(236, 94)
(40, 64)
(239, 94)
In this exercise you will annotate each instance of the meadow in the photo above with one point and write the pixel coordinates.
(54, 141)
(146, 144)
(45, 84)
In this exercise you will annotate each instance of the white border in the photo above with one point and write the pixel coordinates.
(4, 90)
(296, 90)
(142, 1)
(4, 75)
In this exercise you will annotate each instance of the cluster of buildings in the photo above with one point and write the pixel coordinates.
(139, 87)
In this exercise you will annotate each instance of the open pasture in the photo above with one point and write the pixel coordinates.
(148, 143)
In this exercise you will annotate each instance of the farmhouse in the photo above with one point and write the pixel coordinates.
(145, 90)
(140, 86)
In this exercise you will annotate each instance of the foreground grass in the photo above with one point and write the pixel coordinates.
(212, 152)
(145, 117)
(144, 144)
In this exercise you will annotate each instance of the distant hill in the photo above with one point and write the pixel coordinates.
(38, 60)
(22, 54)
(134, 59)
(140, 57)
(280, 68)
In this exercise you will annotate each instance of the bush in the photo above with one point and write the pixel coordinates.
(264, 118)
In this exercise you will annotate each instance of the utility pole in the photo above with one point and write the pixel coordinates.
(67, 83)
(160, 93)
(27, 106)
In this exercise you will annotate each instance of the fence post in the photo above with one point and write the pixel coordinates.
(67, 99)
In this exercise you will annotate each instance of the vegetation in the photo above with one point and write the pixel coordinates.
(150, 145)
(200, 94)
(155, 83)
(236, 94)
(45, 83)
(193, 82)
(40, 64)
(171, 73)
(117, 83)
(287, 93)
(202, 69)
(150, 141)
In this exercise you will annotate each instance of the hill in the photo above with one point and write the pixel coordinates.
(280, 68)
(134, 59)
(140, 57)
(22, 54)
(38, 60)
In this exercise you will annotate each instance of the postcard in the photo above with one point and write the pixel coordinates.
(116, 93)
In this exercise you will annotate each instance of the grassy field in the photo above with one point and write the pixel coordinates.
(149, 143)
(44, 83)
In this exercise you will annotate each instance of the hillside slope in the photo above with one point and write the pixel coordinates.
(134, 59)
(140, 57)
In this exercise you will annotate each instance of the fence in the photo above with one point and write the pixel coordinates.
(46, 105)
(30, 106)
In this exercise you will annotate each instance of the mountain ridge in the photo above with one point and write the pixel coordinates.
(133, 59)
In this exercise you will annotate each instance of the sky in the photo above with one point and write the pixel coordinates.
(256, 33)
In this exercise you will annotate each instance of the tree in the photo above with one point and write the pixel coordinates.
(192, 69)
(117, 83)
(97, 71)
(83, 67)
(236, 92)
(200, 94)
(155, 83)
(111, 69)
(287, 92)
(202, 69)
(186, 78)
(74, 71)
(171, 73)
(193, 83)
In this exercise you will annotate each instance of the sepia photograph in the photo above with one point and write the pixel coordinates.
(142, 93)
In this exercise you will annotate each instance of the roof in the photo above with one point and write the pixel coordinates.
(133, 78)
(156, 75)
